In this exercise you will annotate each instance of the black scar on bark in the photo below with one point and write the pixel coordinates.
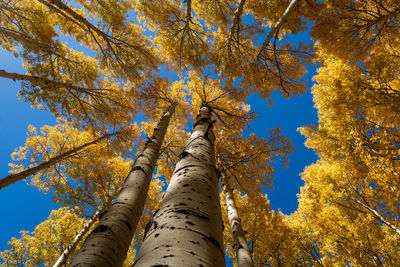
(168, 256)
(191, 212)
(128, 225)
(101, 228)
(138, 168)
(184, 154)
(201, 121)
(102, 214)
(148, 226)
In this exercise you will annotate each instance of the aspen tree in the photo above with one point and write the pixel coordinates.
(50, 240)
(354, 30)
(187, 227)
(355, 182)
(13, 178)
(275, 29)
(124, 62)
(247, 162)
(46, 151)
(109, 241)
(241, 246)
(125, 53)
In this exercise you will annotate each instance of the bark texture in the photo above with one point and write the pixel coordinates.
(243, 255)
(13, 178)
(187, 228)
(109, 242)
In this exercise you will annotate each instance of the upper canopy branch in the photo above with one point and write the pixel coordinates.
(277, 26)
(235, 29)
(188, 11)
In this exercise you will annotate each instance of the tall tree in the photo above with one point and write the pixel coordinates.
(53, 146)
(354, 183)
(49, 240)
(241, 246)
(187, 227)
(109, 241)
(247, 163)
(115, 78)
(13, 178)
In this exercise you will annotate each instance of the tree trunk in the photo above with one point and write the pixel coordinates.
(187, 228)
(109, 242)
(13, 178)
(276, 27)
(36, 80)
(243, 255)
(378, 216)
(26, 40)
(64, 9)
(67, 12)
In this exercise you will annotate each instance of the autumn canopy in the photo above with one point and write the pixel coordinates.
(152, 161)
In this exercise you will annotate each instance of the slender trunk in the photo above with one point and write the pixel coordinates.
(13, 178)
(243, 255)
(26, 40)
(109, 242)
(61, 8)
(41, 80)
(236, 19)
(188, 11)
(68, 13)
(276, 27)
(378, 216)
(71, 247)
(187, 228)
(235, 28)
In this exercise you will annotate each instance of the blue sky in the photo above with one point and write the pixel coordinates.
(23, 207)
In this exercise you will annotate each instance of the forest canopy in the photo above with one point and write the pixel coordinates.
(153, 161)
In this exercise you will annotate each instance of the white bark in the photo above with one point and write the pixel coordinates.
(378, 216)
(36, 80)
(109, 242)
(243, 255)
(277, 25)
(187, 228)
(234, 32)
